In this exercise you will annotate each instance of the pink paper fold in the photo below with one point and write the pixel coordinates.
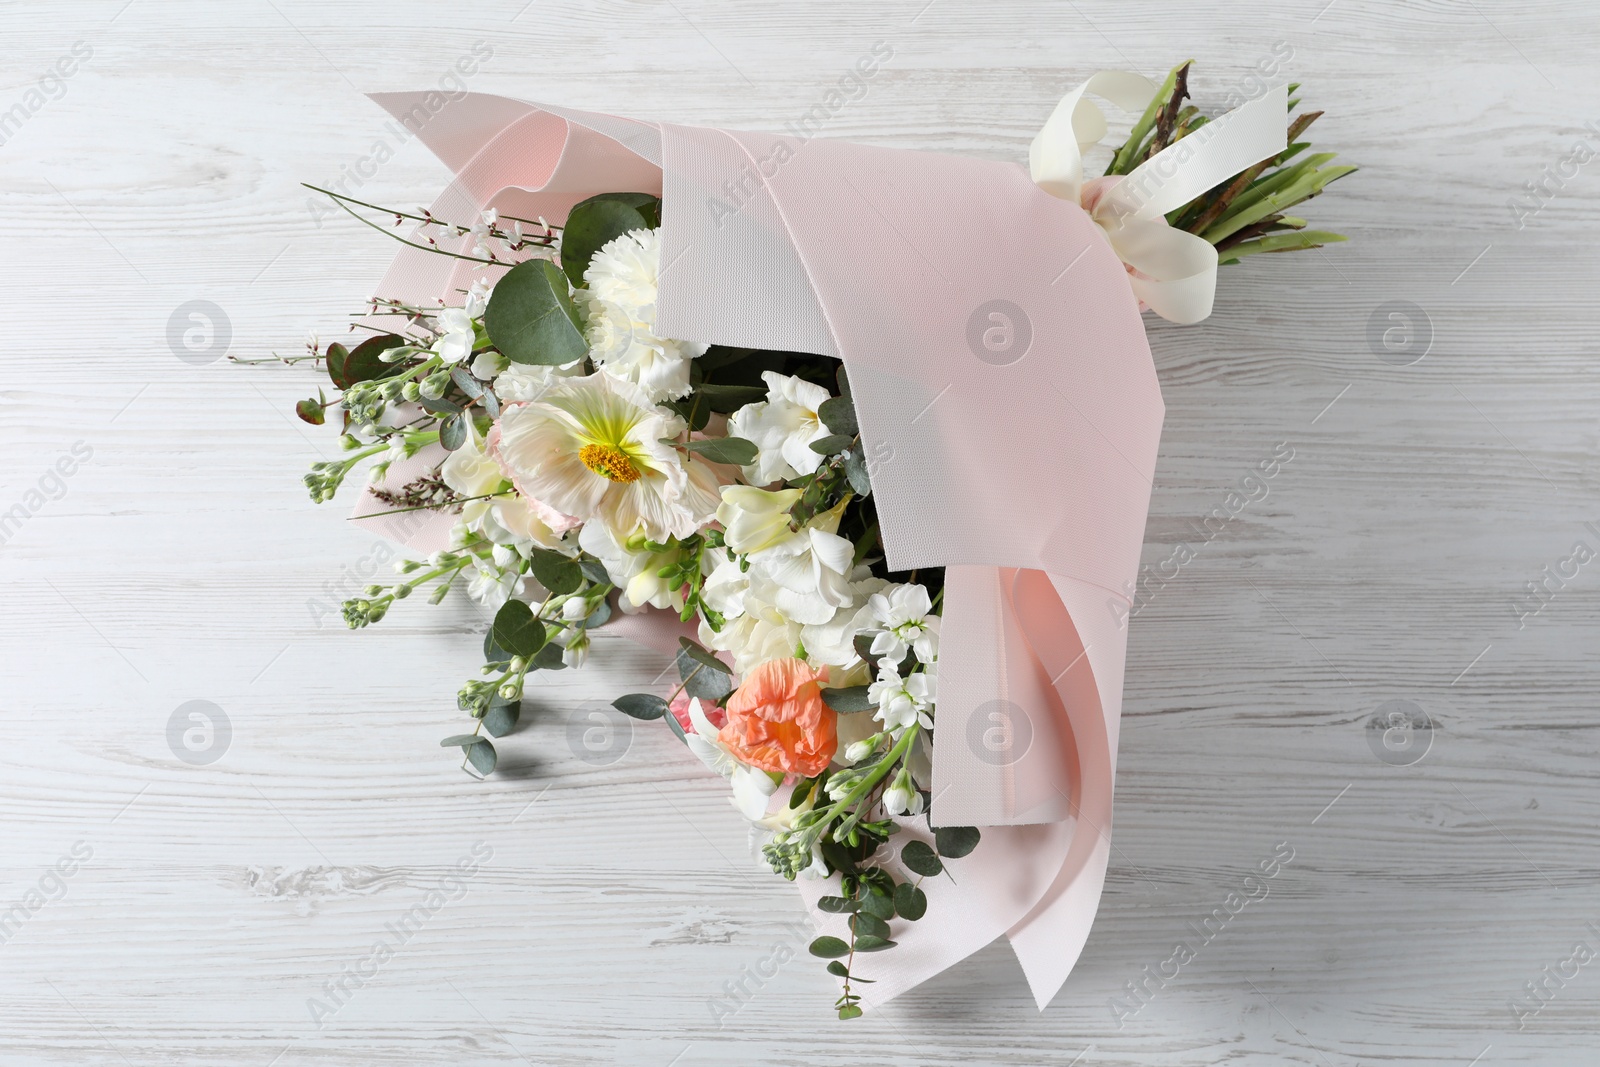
(1015, 452)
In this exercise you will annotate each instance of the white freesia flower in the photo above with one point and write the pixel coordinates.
(832, 643)
(753, 519)
(759, 631)
(456, 335)
(902, 701)
(591, 448)
(902, 612)
(751, 787)
(782, 427)
(622, 281)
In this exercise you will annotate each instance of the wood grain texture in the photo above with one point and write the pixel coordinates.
(183, 562)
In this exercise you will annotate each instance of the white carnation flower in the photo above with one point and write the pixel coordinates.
(622, 282)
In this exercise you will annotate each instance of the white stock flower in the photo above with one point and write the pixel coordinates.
(902, 702)
(491, 586)
(902, 612)
(591, 449)
(782, 427)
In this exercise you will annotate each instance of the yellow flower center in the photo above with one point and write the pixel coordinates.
(610, 462)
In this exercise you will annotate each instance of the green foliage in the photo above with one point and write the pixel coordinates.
(953, 842)
(558, 573)
(644, 706)
(517, 630)
(734, 450)
(596, 222)
(920, 859)
(850, 700)
(531, 317)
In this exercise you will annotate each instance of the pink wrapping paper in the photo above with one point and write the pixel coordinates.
(1017, 452)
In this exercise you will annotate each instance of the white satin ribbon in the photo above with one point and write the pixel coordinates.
(1172, 271)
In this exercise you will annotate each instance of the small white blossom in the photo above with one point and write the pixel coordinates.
(456, 335)
(902, 702)
(902, 611)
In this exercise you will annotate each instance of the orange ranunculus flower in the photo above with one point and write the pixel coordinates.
(778, 722)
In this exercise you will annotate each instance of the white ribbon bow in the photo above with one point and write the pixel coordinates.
(1172, 271)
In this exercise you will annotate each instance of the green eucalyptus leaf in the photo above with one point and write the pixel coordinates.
(830, 446)
(920, 859)
(910, 902)
(459, 741)
(703, 656)
(829, 947)
(953, 842)
(531, 317)
(312, 411)
(558, 573)
(549, 658)
(453, 433)
(837, 905)
(878, 906)
(440, 406)
(730, 398)
(516, 630)
(839, 969)
(644, 706)
(855, 470)
(677, 728)
(839, 416)
(869, 925)
(465, 381)
(849, 700)
(590, 226)
(481, 755)
(702, 682)
(502, 716)
(734, 450)
(594, 570)
(873, 943)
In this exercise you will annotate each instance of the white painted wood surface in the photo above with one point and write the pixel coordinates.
(183, 562)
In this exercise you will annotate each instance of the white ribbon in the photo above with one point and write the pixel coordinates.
(1172, 271)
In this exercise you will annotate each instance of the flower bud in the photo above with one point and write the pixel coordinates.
(411, 391)
(509, 692)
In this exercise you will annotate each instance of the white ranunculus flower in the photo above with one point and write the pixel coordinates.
(590, 449)
(782, 427)
(903, 614)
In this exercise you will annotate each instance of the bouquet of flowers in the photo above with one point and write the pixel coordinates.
(578, 466)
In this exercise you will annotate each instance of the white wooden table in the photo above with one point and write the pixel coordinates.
(209, 903)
